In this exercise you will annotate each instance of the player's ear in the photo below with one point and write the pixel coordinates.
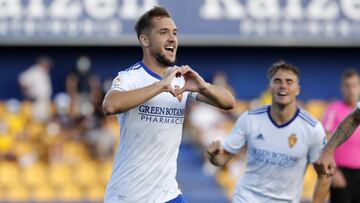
(144, 40)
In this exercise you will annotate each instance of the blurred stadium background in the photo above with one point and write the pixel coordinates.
(67, 155)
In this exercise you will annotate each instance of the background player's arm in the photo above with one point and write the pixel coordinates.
(346, 128)
(120, 101)
(321, 188)
(217, 155)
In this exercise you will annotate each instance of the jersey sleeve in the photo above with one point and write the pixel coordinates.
(329, 120)
(318, 141)
(123, 82)
(238, 136)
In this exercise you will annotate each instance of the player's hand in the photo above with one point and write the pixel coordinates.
(166, 81)
(326, 163)
(338, 180)
(193, 81)
(215, 148)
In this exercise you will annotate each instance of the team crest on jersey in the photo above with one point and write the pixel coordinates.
(292, 139)
(180, 97)
(116, 82)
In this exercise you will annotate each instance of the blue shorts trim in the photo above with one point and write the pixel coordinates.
(178, 199)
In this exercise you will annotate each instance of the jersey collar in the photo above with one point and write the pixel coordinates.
(285, 124)
(150, 72)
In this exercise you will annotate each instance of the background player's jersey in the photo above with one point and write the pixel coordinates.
(144, 169)
(346, 155)
(277, 155)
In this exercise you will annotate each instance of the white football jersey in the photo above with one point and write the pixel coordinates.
(277, 155)
(145, 165)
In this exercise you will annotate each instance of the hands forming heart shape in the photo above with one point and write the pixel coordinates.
(181, 79)
(178, 81)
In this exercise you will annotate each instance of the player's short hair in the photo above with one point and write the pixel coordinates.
(145, 21)
(349, 73)
(282, 65)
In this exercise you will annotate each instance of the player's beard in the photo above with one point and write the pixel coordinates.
(160, 58)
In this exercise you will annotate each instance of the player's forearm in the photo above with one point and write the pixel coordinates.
(119, 102)
(344, 130)
(321, 188)
(218, 96)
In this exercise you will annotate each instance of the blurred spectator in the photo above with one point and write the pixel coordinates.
(62, 103)
(36, 86)
(101, 142)
(82, 106)
(345, 183)
(85, 90)
(220, 79)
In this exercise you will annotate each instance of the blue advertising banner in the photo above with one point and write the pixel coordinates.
(200, 22)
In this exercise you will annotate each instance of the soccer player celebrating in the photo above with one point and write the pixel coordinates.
(281, 140)
(150, 108)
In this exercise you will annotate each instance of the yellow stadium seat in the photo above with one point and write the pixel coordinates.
(316, 108)
(26, 110)
(43, 193)
(74, 152)
(309, 183)
(23, 148)
(6, 142)
(35, 175)
(95, 193)
(2, 194)
(70, 193)
(3, 111)
(9, 174)
(86, 174)
(105, 171)
(15, 123)
(60, 175)
(224, 179)
(36, 130)
(265, 98)
(17, 193)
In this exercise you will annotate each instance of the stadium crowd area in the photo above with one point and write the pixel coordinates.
(68, 157)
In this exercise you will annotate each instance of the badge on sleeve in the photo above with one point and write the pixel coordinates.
(116, 82)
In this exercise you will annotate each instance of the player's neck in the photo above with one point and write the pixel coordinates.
(154, 66)
(282, 114)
